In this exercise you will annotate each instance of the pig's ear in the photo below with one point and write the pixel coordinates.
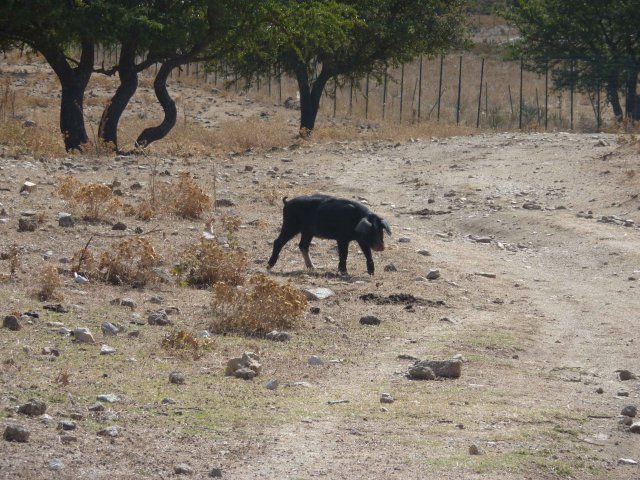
(363, 226)
(386, 226)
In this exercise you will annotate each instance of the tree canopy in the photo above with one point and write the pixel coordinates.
(600, 40)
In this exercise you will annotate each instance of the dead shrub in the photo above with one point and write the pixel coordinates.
(50, 283)
(181, 340)
(92, 201)
(186, 199)
(131, 262)
(12, 256)
(206, 263)
(262, 306)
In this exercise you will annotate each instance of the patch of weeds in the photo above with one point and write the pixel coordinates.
(12, 256)
(130, 262)
(50, 283)
(206, 263)
(260, 307)
(186, 199)
(92, 201)
(181, 340)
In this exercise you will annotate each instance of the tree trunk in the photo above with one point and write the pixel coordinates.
(128, 73)
(614, 99)
(309, 98)
(73, 82)
(632, 107)
(158, 132)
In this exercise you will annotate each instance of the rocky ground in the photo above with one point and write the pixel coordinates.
(516, 253)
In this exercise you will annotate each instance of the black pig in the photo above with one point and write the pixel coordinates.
(333, 218)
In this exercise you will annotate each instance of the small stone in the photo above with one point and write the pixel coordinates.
(318, 293)
(433, 274)
(627, 461)
(33, 407)
(12, 323)
(215, 473)
(119, 226)
(157, 299)
(225, 202)
(66, 439)
(420, 372)
(635, 427)
(66, 220)
(128, 302)
(622, 393)
(315, 360)
(55, 465)
(28, 187)
(168, 401)
(248, 360)
(109, 329)
(108, 398)
(625, 375)
(474, 450)
(386, 398)
(67, 425)
(424, 253)
(443, 368)
(96, 407)
(177, 378)
(13, 433)
(600, 390)
(315, 310)
(83, 335)
(369, 320)
(159, 318)
(112, 432)
(629, 411)
(404, 240)
(277, 336)
(245, 373)
(182, 469)
(28, 124)
(486, 274)
(390, 268)
(107, 350)
(47, 419)
(27, 224)
(625, 421)
(272, 384)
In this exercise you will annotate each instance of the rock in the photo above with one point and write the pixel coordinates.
(225, 202)
(420, 372)
(80, 279)
(248, 360)
(112, 432)
(318, 293)
(66, 439)
(600, 390)
(315, 360)
(124, 302)
(119, 226)
(277, 336)
(424, 253)
(157, 299)
(404, 240)
(627, 461)
(12, 323)
(635, 427)
(433, 274)
(47, 419)
(28, 187)
(109, 329)
(29, 124)
(27, 224)
(13, 433)
(629, 411)
(168, 401)
(108, 398)
(481, 239)
(245, 373)
(474, 450)
(291, 104)
(215, 473)
(390, 268)
(622, 393)
(83, 335)
(272, 385)
(107, 350)
(159, 318)
(315, 310)
(177, 378)
(443, 368)
(96, 407)
(386, 398)
(55, 465)
(369, 320)
(531, 206)
(66, 425)
(486, 274)
(182, 469)
(34, 407)
(66, 220)
(625, 375)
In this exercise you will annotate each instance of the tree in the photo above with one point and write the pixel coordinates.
(590, 42)
(316, 41)
(51, 28)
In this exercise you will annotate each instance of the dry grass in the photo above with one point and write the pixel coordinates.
(180, 341)
(130, 262)
(50, 284)
(260, 307)
(206, 263)
(92, 201)
(13, 257)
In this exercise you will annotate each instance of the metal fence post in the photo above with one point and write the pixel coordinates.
(459, 92)
(440, 84)
(401, 90)
(420, 88)
(480, 93)
(521, 101)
